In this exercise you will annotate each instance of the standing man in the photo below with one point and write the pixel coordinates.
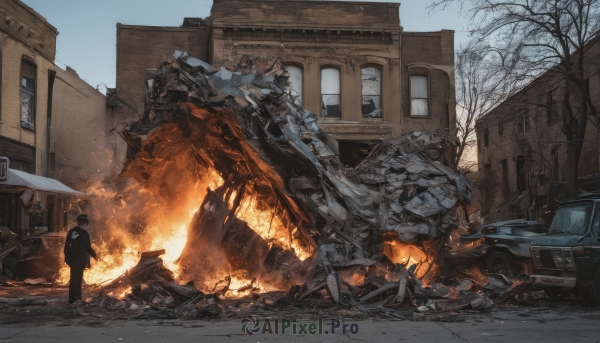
(77, 255)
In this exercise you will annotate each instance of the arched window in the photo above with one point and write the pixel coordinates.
(296, 84)
(371, 92)
(330, 92)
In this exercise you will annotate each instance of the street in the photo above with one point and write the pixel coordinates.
(52, 320)
(498, 327)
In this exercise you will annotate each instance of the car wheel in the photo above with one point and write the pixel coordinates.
(498, 262)
(595, 290)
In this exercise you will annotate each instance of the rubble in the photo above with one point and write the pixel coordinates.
(368, 237)
(395, 210)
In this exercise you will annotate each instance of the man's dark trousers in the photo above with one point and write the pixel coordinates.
(75, 283)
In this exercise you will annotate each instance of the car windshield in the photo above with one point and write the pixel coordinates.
(505, 230)
(573, 219)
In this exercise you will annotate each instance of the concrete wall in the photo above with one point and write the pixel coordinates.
(84, 150)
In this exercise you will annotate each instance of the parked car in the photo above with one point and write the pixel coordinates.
(501, 247)
(569, 255)
(34, 257)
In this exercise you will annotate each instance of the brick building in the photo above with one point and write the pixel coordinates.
(522, 150)
(52, 124)
(350, 62)
(27, 50)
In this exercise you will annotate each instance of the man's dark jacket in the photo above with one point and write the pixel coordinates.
(78, 248)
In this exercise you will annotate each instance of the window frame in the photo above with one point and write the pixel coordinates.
(551, 108)
(321, 102)
(524, 120)
(301, 66)
(31, 126)
(505, 177)
(381, 109)
(419, 71)
(586, 87)
(486, 138)
(555, 164)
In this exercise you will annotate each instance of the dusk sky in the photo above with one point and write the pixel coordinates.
(87, 29)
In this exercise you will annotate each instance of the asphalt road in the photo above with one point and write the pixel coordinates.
(500, 327)
(566, 320)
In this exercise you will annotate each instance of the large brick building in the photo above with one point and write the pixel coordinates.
(522, 152)
(351, 62)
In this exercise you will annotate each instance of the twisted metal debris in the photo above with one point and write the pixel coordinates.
(247, 123)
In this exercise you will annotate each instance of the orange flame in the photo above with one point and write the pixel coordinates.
(166, 227)
(406, 254)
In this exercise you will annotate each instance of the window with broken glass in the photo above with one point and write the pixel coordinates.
(419, 95)
(296, 82)
(149, 87)
(330, 92)
(371, 92)
(524, 120)
(28, 73)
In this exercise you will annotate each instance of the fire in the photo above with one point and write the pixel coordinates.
(269, 226)
(240, 286)
(406, 254)
(356, 279)
(118, 250)
(164, 225)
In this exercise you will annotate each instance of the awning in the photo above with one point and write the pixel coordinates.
(19, 178)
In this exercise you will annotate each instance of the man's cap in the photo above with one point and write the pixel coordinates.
(83, 218)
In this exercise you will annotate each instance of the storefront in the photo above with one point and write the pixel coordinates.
(31, 202)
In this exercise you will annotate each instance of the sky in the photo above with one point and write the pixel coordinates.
(87, 29)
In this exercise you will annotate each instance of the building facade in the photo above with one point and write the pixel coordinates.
(351, 63)
(82, 148)
(52, 125)
(522, 152)
(27, 50)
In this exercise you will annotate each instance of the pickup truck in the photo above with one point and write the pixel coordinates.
(569, 255)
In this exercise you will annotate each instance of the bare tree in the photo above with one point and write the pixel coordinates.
(483, 81)
(534, 147)
(486, 186)
(540, 36)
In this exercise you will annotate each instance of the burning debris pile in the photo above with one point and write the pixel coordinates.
(287, 211)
